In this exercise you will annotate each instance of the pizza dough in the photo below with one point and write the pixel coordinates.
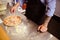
(2, 7)
(12, 20)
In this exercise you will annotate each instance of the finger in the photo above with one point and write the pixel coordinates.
(39, 27)
(43, 29)
(11, 10)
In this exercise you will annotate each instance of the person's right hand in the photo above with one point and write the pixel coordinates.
(12, 10)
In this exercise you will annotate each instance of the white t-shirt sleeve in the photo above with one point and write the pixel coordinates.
(51, 7)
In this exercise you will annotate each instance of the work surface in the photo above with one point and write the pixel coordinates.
(27, 30)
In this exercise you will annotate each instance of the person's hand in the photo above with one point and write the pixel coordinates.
(12, 10)
(42, 28)
(14, 7)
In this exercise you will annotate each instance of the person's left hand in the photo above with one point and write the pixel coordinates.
(42, 28)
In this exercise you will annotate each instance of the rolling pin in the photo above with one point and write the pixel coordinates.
(3, 34)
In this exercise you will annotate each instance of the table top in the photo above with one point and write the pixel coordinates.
(27, 30)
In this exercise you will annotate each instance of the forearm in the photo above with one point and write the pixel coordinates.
(44, 26)
(46, 20)
(50, 11)
(16, 5)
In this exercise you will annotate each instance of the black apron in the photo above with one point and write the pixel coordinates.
(35, 10)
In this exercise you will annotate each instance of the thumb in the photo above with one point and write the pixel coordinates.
(39, 27)
(12, 10)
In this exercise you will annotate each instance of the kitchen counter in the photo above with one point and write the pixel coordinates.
(27, 30)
